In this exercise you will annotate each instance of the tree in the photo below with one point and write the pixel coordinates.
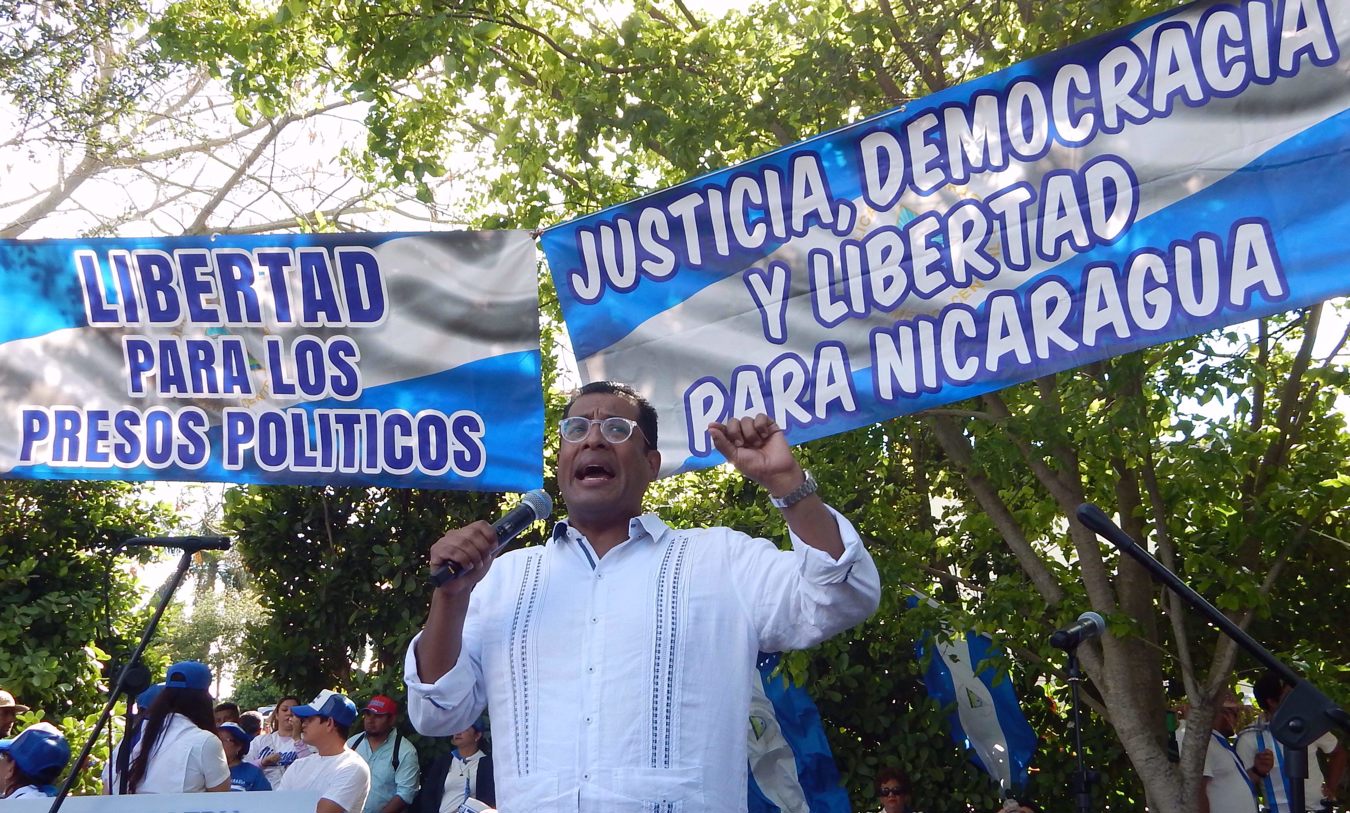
(212, 628)
(341, 573)
(1222, 450)
(69, 599)
(108, 136)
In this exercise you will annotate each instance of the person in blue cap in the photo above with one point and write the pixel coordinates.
(244, 776)
(30, 762)
(176, 749)
(338, 773)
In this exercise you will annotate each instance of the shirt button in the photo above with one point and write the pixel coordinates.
(590, 670)
(595, 620)
(599, 576)
(586, 776)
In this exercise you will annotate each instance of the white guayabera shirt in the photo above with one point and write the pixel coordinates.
(623, 683)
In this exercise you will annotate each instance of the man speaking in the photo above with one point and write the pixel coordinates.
(617, 659)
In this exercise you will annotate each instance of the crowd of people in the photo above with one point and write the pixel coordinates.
(1245, 766)
(181, 741)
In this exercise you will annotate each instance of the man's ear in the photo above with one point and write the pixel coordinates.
(654, 461)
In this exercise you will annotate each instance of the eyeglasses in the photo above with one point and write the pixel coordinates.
(891, 791)
(613, 429)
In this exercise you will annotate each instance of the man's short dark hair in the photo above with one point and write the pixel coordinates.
(646, 418)
(232, 708)
(251, 722)
(1268, 689)
(893, 774)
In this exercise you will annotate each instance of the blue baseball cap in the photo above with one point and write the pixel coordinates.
(146, 698)
(237, 731)
(40, 751)
(328, 704)
(188, 675)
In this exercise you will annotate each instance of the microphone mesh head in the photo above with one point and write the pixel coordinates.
(1096, 619)
(539, 502)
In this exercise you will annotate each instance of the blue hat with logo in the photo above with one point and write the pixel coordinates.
(40, 751)
(188, 675)
(328, 704)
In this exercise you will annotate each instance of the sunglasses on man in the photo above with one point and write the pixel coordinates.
(891, 790)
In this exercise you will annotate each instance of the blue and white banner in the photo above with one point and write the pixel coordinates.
(1180, 174)
(792, 769)
(368, 359)
(985, 716)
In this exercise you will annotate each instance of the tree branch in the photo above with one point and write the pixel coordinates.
(203, 216)
(957, 449)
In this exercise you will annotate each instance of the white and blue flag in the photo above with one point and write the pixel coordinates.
(357, 359)
(985, 716)
(792, 769)
(1180, 174)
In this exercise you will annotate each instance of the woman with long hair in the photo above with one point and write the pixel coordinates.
(177, 750)
(277, 749)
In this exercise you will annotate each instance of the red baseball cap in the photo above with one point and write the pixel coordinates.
(380, 704)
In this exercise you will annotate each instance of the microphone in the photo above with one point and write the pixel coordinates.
(1089, 625)
(188, 543)
(534, 506)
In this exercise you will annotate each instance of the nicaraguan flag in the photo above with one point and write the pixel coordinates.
(791, 767)
(986, 717)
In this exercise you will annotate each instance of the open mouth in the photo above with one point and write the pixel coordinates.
(594, 472)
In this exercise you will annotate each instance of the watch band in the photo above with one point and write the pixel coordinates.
(796, 495)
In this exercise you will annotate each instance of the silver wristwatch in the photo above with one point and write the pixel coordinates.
(796, 495)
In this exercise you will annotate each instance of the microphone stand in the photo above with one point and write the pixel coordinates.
(184, 562)
(1082, 777)
(1304, 715)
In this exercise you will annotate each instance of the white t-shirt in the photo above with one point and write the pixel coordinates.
(343, 778)
(1228, 788)
(1249, 742)
(28, 792)
(185, 760)
(275, 743)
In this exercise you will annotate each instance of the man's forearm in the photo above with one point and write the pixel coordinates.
(438, 649)
(808, 518)
(813, 523)
(394, 805)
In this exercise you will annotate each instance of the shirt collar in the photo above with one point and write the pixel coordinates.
(648, 526)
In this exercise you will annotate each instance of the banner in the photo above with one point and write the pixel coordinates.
(1174, 176)
(359, 359)
(290, 801)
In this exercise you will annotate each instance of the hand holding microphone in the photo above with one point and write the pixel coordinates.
(462, 557)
